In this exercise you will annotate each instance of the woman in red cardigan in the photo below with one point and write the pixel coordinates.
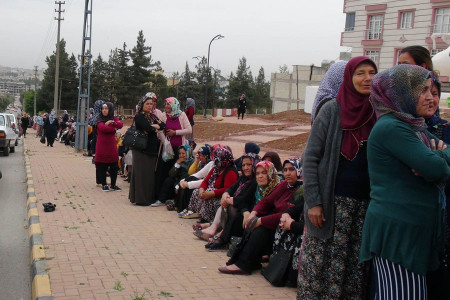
(266, 214)
(106, 153)
(206, 200)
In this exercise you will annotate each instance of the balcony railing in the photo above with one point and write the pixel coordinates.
(373, 34)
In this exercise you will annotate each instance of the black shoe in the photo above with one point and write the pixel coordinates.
(105, 188)
(115, 188)
(218, 247)
(49, 207)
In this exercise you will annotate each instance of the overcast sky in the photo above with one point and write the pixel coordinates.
(268, 33)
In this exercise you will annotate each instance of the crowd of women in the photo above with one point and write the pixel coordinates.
(362, 215)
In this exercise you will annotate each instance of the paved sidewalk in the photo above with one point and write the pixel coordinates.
(98, 243)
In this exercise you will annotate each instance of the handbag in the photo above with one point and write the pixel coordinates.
(42, 140)
(276, 272)
(167, 151)
(135, 138)
(234, 241)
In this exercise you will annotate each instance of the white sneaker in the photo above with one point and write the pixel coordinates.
(157, 203)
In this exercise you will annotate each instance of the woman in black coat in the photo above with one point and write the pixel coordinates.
(51, 128)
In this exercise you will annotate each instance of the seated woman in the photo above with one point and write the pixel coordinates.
(176, 173)
(276, 160)
(264, 219)
(403, 233)
(198, 171)
(206, 200)
(236, 199)
(249, 147)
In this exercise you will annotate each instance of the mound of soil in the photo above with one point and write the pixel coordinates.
(295, 116)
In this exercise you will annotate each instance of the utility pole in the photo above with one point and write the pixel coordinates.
(35, 88)
(55, 96)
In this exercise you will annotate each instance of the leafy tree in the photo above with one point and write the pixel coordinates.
(240, 83)
(140, 69)
(69, 91)
(262, 91)
(4, 101)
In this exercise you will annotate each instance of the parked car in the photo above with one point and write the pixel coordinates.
(14, 125)
(8, 137)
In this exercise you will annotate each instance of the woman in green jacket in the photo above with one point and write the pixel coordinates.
(403, 228)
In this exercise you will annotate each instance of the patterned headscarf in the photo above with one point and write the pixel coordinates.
(110, 116)
(397, 90)
(52, 116)
(246, 180)
(254, 158)
(189, 154)
(329, 87)
(97, 111)
(174, 105)
(274, 180)
(149, 95)
(357, 112)
(223, 158)
(295, 161)
(190, 103)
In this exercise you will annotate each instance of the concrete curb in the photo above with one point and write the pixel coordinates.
(40, 280)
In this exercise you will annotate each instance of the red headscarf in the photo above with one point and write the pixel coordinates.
(357, 112)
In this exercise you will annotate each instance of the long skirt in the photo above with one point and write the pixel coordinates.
(330, 268)
(206, 208)
(391, 281)
(142, 186)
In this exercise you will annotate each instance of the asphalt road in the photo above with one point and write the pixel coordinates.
(14, 243)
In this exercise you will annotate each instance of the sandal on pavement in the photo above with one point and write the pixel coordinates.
(191, 215)
(182, 213)
(201, 235)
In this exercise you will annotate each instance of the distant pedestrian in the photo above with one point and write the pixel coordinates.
(40, 124)
(51, 128)
(242, 106)
(24, 122)
(107, 155)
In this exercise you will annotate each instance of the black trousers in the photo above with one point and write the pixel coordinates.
(259, 244)
(50, 141)
(105, 167)
(241, 112)
(233, 224)
(167, 190)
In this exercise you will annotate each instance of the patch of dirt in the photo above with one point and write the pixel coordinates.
(295, 143)
(211, 130)
(295, 116)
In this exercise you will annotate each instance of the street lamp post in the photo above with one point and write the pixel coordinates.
(217, 37)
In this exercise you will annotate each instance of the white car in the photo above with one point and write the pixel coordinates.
(14, 124)
(8, 137)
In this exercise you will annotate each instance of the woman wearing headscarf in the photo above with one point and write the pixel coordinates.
(142, 185)
(177, 127)
(236, 199)
(403, 230)
(336, 189)
(276, 160)
(24, 122)
(190, 112)
(65, 119)
(206, 200)
(51, 128)
(97, 110)
(107, 155)
(265, 216)
(180, 170)
(329, 86)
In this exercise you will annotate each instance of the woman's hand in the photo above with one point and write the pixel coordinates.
(205, 195)
(109, 122)
(223, 200)
(246, 218)
(315, 215)
(250, 216)
(440, 146)
(170, 132)
(183, 184)
(181, 160)
(156, 126)
(286, 221)
(200, 193)
(257, 224)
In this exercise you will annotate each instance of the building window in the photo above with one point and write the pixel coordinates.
(375, 27)
(406, 20)
(350, 22)
(373, 55)
(433, 52)
(442, 20)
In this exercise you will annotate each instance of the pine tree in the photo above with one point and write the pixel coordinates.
(100, 89)
(262, 91)
(240, 83)
(140, 69)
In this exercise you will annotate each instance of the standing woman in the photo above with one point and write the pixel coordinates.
(336, 189)
(242, 106)
(107, 155)
(51, 128)
(24, 122)
(142, 186)
(403, 230)
(190, 112)
(177, 127)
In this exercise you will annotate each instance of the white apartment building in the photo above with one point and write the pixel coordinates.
(379, 29)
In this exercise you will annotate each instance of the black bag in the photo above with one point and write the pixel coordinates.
(135, 138)
(42, 140)
(277, 270)
(234, 241)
